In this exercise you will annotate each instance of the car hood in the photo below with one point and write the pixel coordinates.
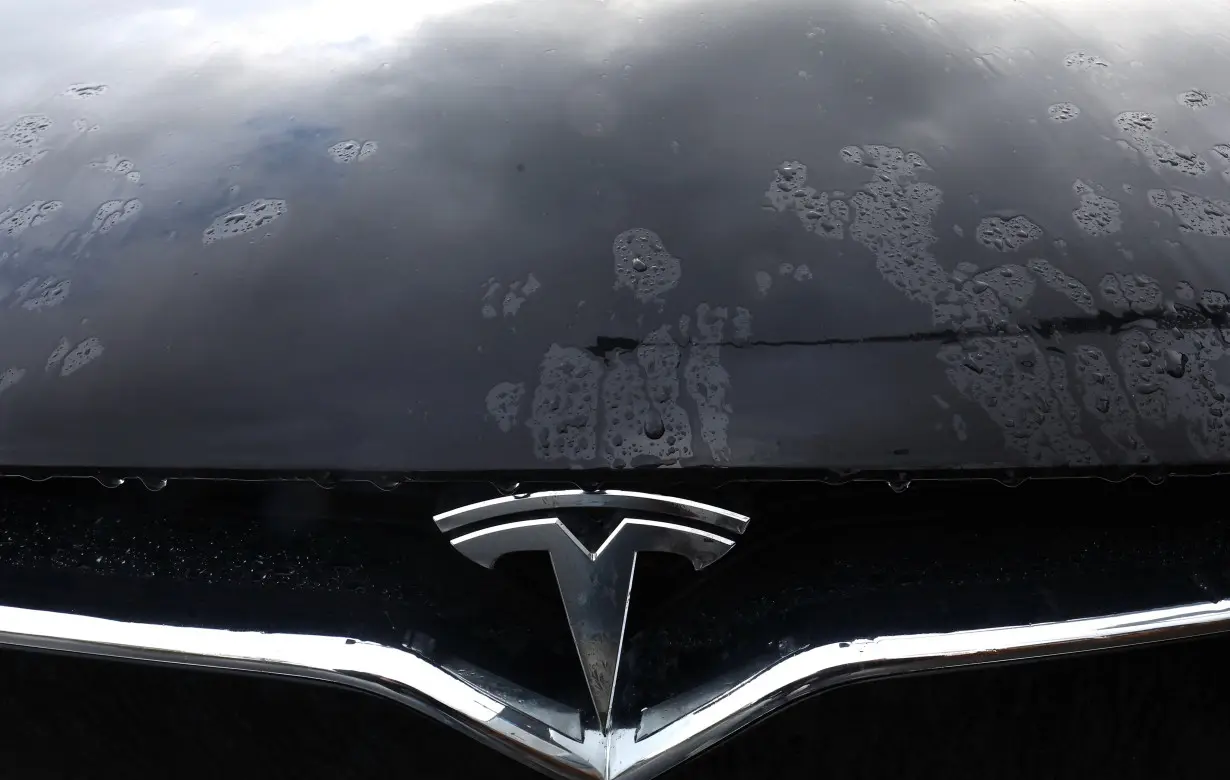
(471, 235)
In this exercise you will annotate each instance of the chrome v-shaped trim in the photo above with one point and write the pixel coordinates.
(625, 752)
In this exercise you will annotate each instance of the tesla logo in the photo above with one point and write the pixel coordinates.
(595, 585)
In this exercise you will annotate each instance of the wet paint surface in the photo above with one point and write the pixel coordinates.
(470, 235)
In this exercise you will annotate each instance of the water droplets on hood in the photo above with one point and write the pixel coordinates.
(352, 150)
(624, 402)
(1079, 60)
(1131, 292)
(20, 159)
(564, 411)
(1007, 235)
(58, 354)
(1063, 112)
(643, 421)
(1025, 392)
(654, 427)
(14, 223)
(113, 212)
(248, 217)
(117, 164)
(504, 404)
(708, 382)
(1104, 397)
(1012, 283)
(1097, 215)
(1195, 98)
(763, 282)
(1071, 288)
(1139, 128)
(1176, 363)
(25, 131)
(1193, 213)
(815, 211)
(51, 292)
(10, 377)
(643, 265)
(516, 295)
(1023, 389)
(84, 91)
(1214, 302)
(81, 355)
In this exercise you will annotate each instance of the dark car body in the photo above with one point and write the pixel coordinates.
(877, 237)
(317, 273)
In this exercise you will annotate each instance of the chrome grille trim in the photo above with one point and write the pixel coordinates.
(419, 683)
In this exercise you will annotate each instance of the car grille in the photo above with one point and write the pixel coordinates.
(819, 564)
(1147, 712)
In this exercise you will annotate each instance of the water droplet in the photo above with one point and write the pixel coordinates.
(1063, 112)
(1196, 98)
(899, 485)
(1176, 363)
(244, 219)
(654, 427)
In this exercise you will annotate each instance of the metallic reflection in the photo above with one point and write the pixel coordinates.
(596, 587)
(624, 500)
(421, 684)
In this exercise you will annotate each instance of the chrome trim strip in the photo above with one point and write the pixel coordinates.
(391, 672)
(823, 668)
(419, 683)
(554, 500)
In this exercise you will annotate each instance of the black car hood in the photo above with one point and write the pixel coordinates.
(546, 235)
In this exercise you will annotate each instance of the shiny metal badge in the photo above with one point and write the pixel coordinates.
(596, 585)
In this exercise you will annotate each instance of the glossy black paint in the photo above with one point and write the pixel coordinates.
(521, 138)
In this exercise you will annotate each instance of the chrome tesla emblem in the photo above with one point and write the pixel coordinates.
(595, 585)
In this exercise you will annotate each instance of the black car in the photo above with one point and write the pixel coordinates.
(599, 377)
